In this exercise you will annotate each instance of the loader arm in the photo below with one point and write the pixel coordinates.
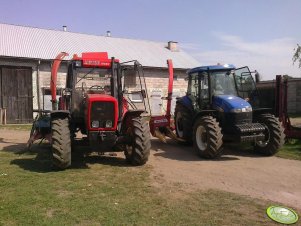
(170, 87)
(54, 69)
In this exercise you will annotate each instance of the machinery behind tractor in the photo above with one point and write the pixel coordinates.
(95, 103)
(281, 102)
(221, 104)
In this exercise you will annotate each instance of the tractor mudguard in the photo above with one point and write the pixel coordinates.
(186, 102)
(60, 113)
(128, 116)
(203, 113)
(260, 111)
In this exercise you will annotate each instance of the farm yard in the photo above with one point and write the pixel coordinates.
(114, 116)
(174, 187)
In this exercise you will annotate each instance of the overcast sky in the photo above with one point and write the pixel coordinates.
(258, 33)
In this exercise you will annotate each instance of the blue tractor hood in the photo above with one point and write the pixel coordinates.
(230, 103)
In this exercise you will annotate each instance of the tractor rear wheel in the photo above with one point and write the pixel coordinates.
(61, 143)
(183, 123)
(207, 137)
(274, 135)
(137, 152)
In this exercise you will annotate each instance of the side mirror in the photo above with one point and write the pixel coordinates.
(257, 77)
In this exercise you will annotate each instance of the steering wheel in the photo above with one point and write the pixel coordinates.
(96, 87)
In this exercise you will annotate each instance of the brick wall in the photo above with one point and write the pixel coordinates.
(157, 80)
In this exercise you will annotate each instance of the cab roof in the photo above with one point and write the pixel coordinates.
(212, 68)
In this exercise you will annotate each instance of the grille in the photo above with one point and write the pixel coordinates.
(239, 118)
(102, 111)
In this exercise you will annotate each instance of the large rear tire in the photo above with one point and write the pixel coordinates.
(183, 123)
(61, 143)
(207, 137)
(138, 151)
(274, 135)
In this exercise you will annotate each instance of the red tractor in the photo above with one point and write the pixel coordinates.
(94, 102)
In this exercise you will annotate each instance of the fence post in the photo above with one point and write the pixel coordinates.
(4, 116)
(1, 116)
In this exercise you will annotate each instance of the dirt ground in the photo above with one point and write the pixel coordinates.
(245, 173)
(296, 121)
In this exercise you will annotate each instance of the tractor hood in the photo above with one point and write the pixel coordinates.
(230, 103)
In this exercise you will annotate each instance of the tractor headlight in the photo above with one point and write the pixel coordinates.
(236, 110)
(109, 124)
(246, 109)
(95, 124)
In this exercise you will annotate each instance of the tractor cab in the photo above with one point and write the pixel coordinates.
(92, 91)
(211, 83)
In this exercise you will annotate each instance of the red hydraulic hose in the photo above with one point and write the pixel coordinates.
(54, 69)
(170, 87)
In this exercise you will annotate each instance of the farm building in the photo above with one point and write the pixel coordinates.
(27, 53)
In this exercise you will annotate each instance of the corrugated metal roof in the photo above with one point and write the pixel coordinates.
(29, 42)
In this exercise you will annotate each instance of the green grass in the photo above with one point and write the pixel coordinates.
(24, 127)
(106, 191)
(291, 150)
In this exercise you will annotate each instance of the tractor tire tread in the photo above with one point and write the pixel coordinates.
(187, 122)
(214, 137)
(277, 138)
(141, 142)
(61, 143)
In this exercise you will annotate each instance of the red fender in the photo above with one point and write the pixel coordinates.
(56, 64)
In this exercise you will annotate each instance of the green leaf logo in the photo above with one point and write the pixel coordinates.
(282, 214)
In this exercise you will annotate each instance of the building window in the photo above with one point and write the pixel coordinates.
(136, 97)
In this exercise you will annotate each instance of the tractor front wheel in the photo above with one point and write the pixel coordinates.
(274, 135)
(138, 150)
(207, 137)
(61, 143)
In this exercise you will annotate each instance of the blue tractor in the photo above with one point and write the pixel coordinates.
(223, 104)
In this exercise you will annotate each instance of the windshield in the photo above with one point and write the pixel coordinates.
(222, 83)
(94, 80)
(245, 82)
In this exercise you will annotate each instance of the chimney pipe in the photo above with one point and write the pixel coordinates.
(108, 33)
(173, 46)
(64, 28)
